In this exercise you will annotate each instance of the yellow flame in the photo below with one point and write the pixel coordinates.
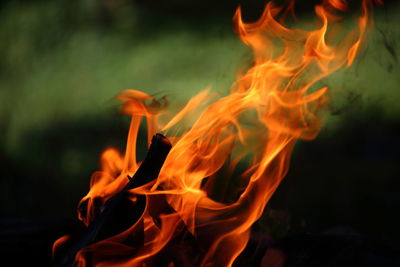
(269, 107)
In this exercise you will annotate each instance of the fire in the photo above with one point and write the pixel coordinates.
(269, 107)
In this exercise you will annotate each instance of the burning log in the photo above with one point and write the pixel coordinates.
(147, 172)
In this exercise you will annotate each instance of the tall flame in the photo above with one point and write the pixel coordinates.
(269, 107)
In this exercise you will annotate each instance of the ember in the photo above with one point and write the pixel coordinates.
(270, 107)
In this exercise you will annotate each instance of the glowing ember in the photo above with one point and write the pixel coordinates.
(269, 107)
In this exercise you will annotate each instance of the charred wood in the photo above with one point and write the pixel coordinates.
(103, 226)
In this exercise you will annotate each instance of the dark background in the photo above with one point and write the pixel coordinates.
(62, 62)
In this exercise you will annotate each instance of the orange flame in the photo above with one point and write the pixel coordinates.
(269, 107)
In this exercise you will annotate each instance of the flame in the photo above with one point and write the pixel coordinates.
(269, 107)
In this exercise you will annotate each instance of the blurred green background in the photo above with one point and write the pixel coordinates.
(62, 62)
